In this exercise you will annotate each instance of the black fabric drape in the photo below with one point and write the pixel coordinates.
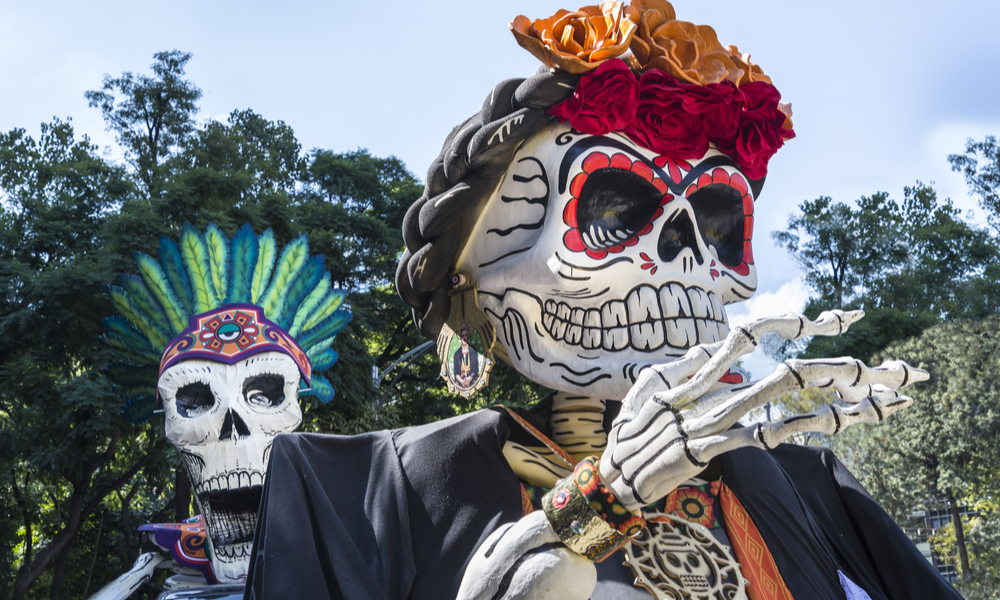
(397, 515)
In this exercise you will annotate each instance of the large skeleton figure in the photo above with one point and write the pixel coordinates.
(645, 324)
(604, 267)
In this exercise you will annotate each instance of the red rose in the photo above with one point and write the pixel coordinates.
(663, 124)
(761, 129)
(604, 101)
(720, 105)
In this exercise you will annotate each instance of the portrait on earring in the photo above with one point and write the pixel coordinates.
(466, 355)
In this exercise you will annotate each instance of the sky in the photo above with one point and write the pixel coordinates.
(882, 91)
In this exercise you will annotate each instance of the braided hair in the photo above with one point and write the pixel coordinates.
(461, 179)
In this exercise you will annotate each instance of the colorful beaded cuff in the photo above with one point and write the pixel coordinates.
(586, 516)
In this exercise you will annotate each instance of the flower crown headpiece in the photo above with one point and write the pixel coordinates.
(209, 297)
(691, 91)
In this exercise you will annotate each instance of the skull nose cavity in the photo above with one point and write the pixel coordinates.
(677, 234)
(233, 420)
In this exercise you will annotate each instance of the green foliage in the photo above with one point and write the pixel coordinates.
(982, 537)
(909, 265)
(150, 116)
(981, 166)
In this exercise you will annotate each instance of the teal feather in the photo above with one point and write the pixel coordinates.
(265, 264)
(331, 302)
(218, 261)
(139, 355)
(157, 337)
(321, 388)
(326, 329)
(307, 279)
(139, 410)
(323, 359)
(132, 381)
(144, 300)
(243, 256)
(156, 281)
(173, 267)
(309, 304)
(123, 329)
(293, 258)
(194, 254)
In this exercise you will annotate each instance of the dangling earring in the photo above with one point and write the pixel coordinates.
(465, 344)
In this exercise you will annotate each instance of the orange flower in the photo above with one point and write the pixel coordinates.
(751, 72)
(577, 42)
(689, 52)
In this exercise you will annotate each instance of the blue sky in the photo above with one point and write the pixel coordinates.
(882, 91)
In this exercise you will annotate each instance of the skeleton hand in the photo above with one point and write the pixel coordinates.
(525, 561)
(670, 426)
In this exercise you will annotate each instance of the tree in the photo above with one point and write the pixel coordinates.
(983, 178)
(908, 265)
(947, 443)
(150, 116)
(64, 449)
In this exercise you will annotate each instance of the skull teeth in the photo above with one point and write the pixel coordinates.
(648, 319)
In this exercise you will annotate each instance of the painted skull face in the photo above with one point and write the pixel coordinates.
(223, 419)
(596, 258)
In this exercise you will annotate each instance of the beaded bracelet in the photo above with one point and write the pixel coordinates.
(586, 515)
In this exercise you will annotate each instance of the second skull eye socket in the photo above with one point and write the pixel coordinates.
(194, 399)
(266, 391)
(718, 209)
(614, 205)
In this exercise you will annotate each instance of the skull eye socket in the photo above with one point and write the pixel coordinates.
(264, 391)
(718, 208)
(614, 205)
(194, 399)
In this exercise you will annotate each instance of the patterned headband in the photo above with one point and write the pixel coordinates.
(230, 334)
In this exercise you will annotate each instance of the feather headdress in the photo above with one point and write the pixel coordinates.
(287, 292)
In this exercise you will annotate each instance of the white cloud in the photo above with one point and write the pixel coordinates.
(789, 297)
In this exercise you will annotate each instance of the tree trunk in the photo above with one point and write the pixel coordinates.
(963, 554)
(182, 492)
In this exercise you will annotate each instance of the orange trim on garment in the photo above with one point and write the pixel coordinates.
(526, 507)
(541, 437)
(755, 559)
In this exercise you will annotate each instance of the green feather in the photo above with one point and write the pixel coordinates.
(131, 381)
(304, 283)
(265, 264)
(123, 329)
(157, 337)
(194, 254)
(156, 281)
(293, 258)
(144, 300)
(311, 302)
(331, 302)
(173, 268)
(139, 355)
(218, 260)
(323, 359)
(139, 410)
(243, 256)
(326, 329)
(321, 388)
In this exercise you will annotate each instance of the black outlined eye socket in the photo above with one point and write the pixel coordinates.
(194, 399)
(718, 209)
(614, 206)
(264, 391)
